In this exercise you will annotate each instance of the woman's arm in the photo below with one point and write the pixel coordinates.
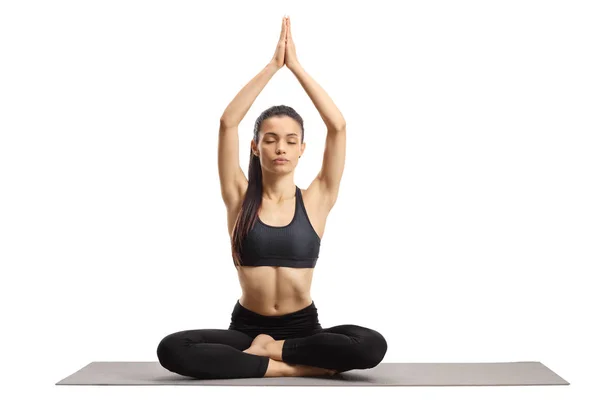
(327, 182)
(333, 118)
(239, 106)
(232, 178)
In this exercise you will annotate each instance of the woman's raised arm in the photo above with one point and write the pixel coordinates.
(231, 176)
(327, 182)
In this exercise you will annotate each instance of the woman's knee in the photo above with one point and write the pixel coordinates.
(166, 351)
(371, 347)
(173, 349)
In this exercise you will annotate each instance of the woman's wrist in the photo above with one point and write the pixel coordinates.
(294, 67)
(272, 66)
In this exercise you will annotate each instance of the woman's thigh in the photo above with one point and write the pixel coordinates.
(341, 347)
(210, 353)
(230, 337)
(369, 341)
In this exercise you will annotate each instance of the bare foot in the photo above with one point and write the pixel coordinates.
(307, 370)
(258, 345)
(280, 368)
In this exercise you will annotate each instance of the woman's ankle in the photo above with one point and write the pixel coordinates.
(278, 369)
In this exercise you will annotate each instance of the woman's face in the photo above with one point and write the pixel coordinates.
(279, 137)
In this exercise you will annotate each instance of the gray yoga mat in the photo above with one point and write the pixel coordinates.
(384, 374)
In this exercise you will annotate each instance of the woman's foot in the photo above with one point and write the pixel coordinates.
(259, 345)
(307, 370)
(281, 369)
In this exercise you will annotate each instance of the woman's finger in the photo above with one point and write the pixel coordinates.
(283, 29)
(289, 28)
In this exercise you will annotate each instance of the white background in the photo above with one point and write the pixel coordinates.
(467, 223)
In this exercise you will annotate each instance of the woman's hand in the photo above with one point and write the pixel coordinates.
(279, 57)
(291, 60)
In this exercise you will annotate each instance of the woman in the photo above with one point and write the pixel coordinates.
(275, 230)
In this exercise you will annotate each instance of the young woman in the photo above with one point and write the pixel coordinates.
(275, 230)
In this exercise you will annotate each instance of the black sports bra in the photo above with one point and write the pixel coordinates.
(295, 245)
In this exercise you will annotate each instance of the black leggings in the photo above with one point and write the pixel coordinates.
(219, 353)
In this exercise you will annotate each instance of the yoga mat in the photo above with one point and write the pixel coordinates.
(384, 374)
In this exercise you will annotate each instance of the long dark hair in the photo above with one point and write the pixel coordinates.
(252, 200)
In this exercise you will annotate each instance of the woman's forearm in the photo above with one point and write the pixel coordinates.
(330, 114)
(239, 106)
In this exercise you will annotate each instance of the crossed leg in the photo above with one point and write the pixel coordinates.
(336, 349)
(219, 354)
(261, 346)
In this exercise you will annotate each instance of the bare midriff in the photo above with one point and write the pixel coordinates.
(273, 291)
